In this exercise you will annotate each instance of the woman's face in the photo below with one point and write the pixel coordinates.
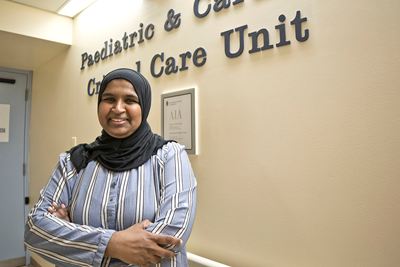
(120, 113)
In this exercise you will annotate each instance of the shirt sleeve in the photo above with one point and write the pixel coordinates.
(177, 200)
(57, 241)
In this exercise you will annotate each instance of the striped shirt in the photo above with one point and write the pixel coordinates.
(100, 202)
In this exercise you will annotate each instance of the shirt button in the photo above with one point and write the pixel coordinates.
(111, 199)
(109, 213)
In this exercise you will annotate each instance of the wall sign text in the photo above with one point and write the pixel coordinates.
(161, 63)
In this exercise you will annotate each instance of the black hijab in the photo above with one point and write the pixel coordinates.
(126, 153)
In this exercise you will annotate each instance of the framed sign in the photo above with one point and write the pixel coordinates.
(4, 122)
(178, 118)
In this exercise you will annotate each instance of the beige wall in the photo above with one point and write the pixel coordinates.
(30, 37)
(298, 162)
(36, 23)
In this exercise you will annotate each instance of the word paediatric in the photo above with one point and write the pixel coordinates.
(111, 48)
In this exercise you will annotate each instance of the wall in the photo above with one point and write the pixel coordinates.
(298, 162)
(36, 23)
(30, 37)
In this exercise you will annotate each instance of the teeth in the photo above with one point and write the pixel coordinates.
(117, 120)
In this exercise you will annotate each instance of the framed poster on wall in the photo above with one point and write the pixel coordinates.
(178, 118)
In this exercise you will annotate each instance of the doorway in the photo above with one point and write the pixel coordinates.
(15, 94)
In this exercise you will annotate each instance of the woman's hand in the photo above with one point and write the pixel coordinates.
(60, 211)
(137, 246)
(133, 245)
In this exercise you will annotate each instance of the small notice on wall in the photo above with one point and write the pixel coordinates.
(4, 122)
(178, 123)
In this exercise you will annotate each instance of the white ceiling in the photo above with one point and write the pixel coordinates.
(48, 5)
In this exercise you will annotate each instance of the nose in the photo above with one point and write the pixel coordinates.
(119, 106)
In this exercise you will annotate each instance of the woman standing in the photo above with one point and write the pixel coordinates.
(130, 195)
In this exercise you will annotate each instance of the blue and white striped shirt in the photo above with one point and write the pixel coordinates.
(100, 202)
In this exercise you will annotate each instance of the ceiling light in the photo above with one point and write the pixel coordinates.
(74, 7)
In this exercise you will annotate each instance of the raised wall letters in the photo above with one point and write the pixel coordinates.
(199, 59)
(111, 48)
(227, 41)
(218, 6)
(173, 21)
(254, 36)
(171, 65)
(90, 89)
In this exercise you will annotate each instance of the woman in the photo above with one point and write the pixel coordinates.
(130, 195)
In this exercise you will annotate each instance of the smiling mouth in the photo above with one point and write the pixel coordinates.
(118, 120)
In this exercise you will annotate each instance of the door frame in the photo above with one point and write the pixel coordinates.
(26, 141)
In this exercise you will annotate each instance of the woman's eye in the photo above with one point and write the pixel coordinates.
(108, 99)
(131, 101)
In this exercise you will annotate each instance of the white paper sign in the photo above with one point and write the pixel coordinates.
(4, 122)
(178, 119)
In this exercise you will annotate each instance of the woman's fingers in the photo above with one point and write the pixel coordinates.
(139, 247)
(157, 240)
(51, 209)
(59, 211)
(167, 240)
(145, 224)
(164, 240)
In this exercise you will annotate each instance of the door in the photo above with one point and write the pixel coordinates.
(13, 154)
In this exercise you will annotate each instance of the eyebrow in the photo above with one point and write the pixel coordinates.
(110, 94)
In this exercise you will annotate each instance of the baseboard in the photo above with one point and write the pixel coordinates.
(13, 262)
(35, 263)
